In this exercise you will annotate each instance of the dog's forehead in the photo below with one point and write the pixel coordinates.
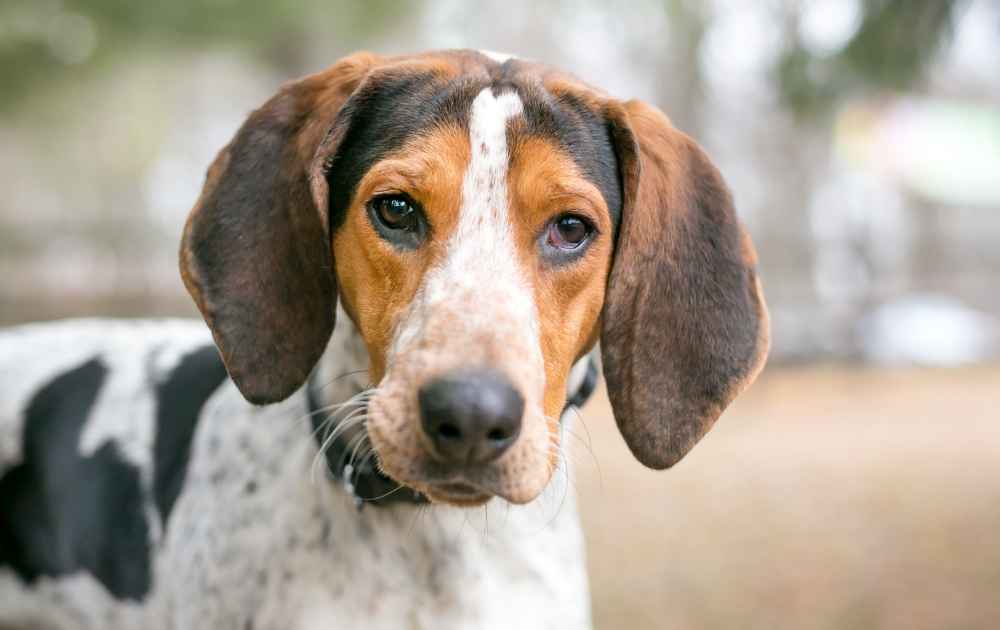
(405, 100)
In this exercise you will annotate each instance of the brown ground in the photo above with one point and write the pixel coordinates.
(824, 498)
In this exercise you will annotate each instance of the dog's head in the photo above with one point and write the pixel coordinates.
(483, 224)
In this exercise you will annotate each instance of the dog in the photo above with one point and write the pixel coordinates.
(474, 224)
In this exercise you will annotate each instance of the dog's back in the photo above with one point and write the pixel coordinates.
(122, 357)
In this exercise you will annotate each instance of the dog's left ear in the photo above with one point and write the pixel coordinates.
(685, 328)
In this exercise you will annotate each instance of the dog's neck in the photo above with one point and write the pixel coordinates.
(342, 372)
(334, 395)
(342, 376)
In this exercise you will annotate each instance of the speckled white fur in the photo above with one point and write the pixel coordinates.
(291, 554)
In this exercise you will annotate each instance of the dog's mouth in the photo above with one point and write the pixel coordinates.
(470, 487)
(409, 455)
(458, 493)
(370, 480)
(375, 484)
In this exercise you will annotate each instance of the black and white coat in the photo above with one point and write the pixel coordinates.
(140, 490)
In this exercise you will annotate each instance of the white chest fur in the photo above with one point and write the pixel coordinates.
(290, 553)
(254, 543)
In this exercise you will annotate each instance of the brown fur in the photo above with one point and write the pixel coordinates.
(256, 236)
(675, 301)
(545, 183)
(377, 281)
(685, 325)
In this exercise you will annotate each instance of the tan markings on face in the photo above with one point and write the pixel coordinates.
(377, 281)
(477, 293)
(474, 308)
(545, 183)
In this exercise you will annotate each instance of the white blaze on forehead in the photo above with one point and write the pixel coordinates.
(484, 213)
(479, 279)
(482, 247)
(475, 307)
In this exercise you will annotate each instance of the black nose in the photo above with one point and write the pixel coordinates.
(471, 416)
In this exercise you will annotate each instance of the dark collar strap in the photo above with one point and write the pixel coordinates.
(365, 482)
(583, 393)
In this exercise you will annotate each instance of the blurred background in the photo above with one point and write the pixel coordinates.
(856, 485)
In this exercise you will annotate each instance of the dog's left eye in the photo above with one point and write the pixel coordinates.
(568, 232)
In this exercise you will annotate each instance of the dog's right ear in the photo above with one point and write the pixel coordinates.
(256, 254)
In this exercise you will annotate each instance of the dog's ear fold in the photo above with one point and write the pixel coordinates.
(256, 254)
(685, 328)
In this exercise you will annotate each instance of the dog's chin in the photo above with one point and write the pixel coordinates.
(415, 468)
(457, 494)
(460, 491)
(464, 493)
(470, 488)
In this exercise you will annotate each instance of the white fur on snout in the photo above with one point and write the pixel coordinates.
(481, 274)
(479, 278)
(476, 308)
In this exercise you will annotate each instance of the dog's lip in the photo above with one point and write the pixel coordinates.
(458, 493)
(458, 488)
(469, 486)
(454, 487)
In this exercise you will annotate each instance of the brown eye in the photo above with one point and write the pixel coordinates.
(568, 232)
(398, 219)
(396, 212)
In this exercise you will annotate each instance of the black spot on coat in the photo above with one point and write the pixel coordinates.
(382, 117)
(179, 400)
(63, 513)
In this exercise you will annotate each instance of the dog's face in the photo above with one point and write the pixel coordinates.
(483, 224)
(474, 252)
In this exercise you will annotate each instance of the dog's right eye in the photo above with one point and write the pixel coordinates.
(398, 219)
(397, 212)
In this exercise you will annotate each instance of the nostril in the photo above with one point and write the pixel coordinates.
(449, 431)
(498, 435)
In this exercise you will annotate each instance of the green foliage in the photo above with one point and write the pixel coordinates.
(44, 42)
(892, 46)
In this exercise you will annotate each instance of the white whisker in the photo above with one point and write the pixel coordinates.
(334, 426)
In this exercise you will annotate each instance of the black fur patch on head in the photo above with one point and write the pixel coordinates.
(382, 116)
(179, 399)
(584, 134)
(394, 108)
(63, 513)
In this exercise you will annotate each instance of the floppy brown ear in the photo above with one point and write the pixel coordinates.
(255, 254)
(685, 328)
